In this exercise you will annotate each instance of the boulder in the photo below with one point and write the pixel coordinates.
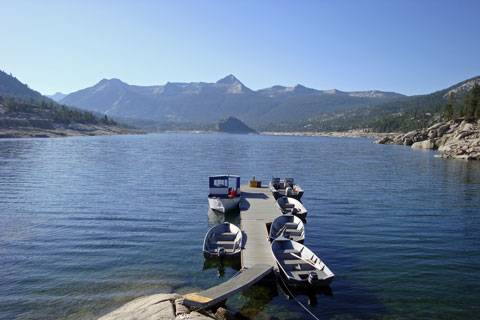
(426, 144)
(157, 306)
(180, 308)
(224, 314)
(442, 130)
(466, 126)
(383, 140)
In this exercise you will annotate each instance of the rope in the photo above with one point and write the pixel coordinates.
(315, 317)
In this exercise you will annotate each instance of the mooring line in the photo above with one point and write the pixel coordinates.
(314, 316)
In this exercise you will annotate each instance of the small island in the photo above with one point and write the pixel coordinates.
(233, 125)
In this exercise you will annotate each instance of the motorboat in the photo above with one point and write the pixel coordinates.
(299, 266)
(287, 226)
(285, 187)
(224, 193)
(293, 206)
(221, 240)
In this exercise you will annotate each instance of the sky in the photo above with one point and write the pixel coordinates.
(410, 47)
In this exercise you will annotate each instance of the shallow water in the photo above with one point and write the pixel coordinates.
(88, 223)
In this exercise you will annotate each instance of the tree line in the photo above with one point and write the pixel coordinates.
(469, 108)
(47, 109)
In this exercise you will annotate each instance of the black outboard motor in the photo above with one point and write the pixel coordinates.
(220, 252)
(312, 278)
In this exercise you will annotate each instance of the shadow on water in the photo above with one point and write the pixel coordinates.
(256, 298)
(216, 218)
(311, 293)
(221, 263)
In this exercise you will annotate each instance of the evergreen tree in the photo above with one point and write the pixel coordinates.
(448, 110)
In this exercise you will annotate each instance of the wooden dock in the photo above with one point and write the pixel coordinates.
(214, 295)
(258, 208)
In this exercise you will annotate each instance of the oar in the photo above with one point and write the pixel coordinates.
(310, 262)
(281, 229)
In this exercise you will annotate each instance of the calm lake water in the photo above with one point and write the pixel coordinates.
(89, 223)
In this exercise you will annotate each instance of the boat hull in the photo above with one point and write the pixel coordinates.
(288, 226)
(224, 205)
(222, 240)
(287, 204)
(299, 266)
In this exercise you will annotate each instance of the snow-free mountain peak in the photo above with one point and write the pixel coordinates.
(57, 96)
(228, 80)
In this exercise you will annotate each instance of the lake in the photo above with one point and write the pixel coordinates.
(89, 223)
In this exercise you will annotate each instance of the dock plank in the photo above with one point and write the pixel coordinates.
(214, 295)
(258, 208)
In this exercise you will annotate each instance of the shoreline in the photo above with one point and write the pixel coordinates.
(457, 139)
(102, 130)
(77, 131)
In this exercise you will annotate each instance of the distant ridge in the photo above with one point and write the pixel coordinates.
(57, 96)
(26, 113)
(201, 102)
(401, 115)
(11, 86)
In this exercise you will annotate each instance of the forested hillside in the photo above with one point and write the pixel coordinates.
(396, 116)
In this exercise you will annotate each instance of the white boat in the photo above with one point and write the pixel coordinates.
(224, 193)
(293, 206)
(285, 187)
(299, 265)
(223, 240)
(287, 226)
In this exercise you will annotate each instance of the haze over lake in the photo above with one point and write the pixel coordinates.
(89, 223)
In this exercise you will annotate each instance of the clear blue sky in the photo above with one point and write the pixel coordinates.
(411, 47)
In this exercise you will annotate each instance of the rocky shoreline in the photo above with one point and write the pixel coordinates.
(68, 131)
(457, 139)
(167, 306)
(359, 133)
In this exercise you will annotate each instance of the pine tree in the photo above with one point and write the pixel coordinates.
(448, 110)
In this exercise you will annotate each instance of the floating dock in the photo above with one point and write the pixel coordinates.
(214, 295)
(258, 208)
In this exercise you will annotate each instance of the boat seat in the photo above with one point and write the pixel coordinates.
(295, 261)
(290, 251)
(304, 274)
(289, 205)
(295, 238)
(291, 224)
(226, 236)
(223, 242)
(292, 230)
(300, 275)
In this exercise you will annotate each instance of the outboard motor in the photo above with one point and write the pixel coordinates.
(288, 191)
(312, 278)
(220, 252)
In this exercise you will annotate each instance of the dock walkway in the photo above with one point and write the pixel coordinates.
(258, 208)
(214, 295)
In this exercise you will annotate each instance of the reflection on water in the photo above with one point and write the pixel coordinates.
(216, 218)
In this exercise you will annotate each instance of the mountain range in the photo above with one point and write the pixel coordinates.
(401, 115)
(201, 102)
